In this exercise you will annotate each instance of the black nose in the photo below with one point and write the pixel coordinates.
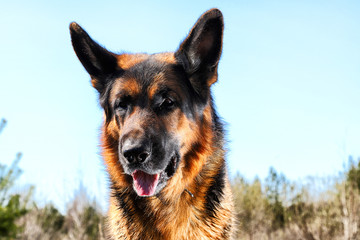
(135, 153)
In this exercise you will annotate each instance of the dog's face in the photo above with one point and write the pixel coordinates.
(157, 107)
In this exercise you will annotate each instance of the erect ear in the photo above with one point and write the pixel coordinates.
(200, 52)
(98, 62)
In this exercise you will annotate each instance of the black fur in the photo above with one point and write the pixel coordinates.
(200, 52)
(215, 193)
(143, 134)
(197, 60)
(98, 62)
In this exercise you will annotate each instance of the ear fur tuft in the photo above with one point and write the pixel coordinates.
(201, 50)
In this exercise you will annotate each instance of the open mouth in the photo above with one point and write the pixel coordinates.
(146, 184)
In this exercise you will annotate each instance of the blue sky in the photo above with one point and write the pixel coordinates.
(289, 84)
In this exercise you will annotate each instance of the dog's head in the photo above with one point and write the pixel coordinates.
(158, 116)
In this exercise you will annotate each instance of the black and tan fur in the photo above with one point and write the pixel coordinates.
(160, 121)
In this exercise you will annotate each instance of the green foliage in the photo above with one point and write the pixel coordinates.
(12, 207)
(91, 221)
(250, 204)
(17, 221)
(276, 186)
(330, 221)
(301, 214)
(9, 213)
(353, 175)
(8, 177)
(280, 209)
(51, 220)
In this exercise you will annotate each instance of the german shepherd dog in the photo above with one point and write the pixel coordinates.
(162, 141)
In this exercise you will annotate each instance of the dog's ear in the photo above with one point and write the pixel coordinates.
(98, 62)
(200, 52)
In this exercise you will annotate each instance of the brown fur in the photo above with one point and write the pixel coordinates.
(176, 215)
(181, 210)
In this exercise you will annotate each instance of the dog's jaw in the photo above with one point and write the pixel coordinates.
(145, 184)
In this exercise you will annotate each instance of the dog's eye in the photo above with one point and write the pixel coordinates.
(122, 104)
(167, 104)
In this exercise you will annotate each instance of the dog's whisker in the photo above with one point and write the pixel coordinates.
(191, 195)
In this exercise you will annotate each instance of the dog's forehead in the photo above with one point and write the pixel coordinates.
(127, 61)
(145, 73)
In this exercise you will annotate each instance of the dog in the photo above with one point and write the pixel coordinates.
(162, 140)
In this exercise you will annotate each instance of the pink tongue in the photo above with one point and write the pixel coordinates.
(145, 184)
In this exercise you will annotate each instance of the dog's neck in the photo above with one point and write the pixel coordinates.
(179, 217)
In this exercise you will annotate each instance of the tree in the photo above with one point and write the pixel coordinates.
(250, 206)
(12, 207)
(349, 200)
(275, 187)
